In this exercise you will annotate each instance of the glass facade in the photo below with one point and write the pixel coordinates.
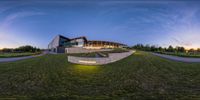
(62, 41)
(59, 43)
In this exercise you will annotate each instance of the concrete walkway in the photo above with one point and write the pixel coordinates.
(20, 58)
(112, 57)
(175, 58)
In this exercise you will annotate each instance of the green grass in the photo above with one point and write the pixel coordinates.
(118, 50)
(10, 55)
(179, 54)
(140, 76)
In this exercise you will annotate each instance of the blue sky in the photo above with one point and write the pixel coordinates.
(130, 22)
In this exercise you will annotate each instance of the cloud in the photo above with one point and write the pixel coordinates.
(11, 5)
(1, 37)
(177, 27)
(4, 36)
(181, 42)
(14, 16)
(3, 9)
(8, 41)
(113, 2)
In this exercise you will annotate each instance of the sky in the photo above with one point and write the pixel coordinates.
(154, 22)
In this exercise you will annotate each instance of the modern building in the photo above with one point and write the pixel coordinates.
(59, 43)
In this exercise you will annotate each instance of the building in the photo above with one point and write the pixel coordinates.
(59, 43)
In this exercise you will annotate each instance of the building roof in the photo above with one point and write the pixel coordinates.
(89, 41)
(63, 37)
(82, 37)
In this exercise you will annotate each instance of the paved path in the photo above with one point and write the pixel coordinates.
(175, 58)
(20, 58)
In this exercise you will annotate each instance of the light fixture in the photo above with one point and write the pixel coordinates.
(87, 62)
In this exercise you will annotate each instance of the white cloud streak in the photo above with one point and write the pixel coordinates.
(185, 31)
(7, 39)
(14, 16)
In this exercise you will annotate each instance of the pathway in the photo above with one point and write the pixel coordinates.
(175, 58)
(20, 58)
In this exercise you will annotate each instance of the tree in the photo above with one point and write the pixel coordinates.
(147, 47)
(6, 50)
(198, 50)
(154, 48)
(139, 47)
(191, 50)
(27, 48)
(160, 49)
(180, 49)
(170, 49)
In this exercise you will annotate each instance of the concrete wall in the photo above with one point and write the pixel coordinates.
(54, 43)
(113, 57)
(83, 50)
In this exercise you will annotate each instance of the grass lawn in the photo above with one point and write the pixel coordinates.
(181, 54)
(10, 55)
(140, 76)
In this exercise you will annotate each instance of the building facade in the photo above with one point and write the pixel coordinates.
(59, 43)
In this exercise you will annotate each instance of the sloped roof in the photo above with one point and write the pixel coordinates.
(82, 37)
(64, 37)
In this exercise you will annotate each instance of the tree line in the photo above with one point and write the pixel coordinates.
(154, 48)
(26, 48)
